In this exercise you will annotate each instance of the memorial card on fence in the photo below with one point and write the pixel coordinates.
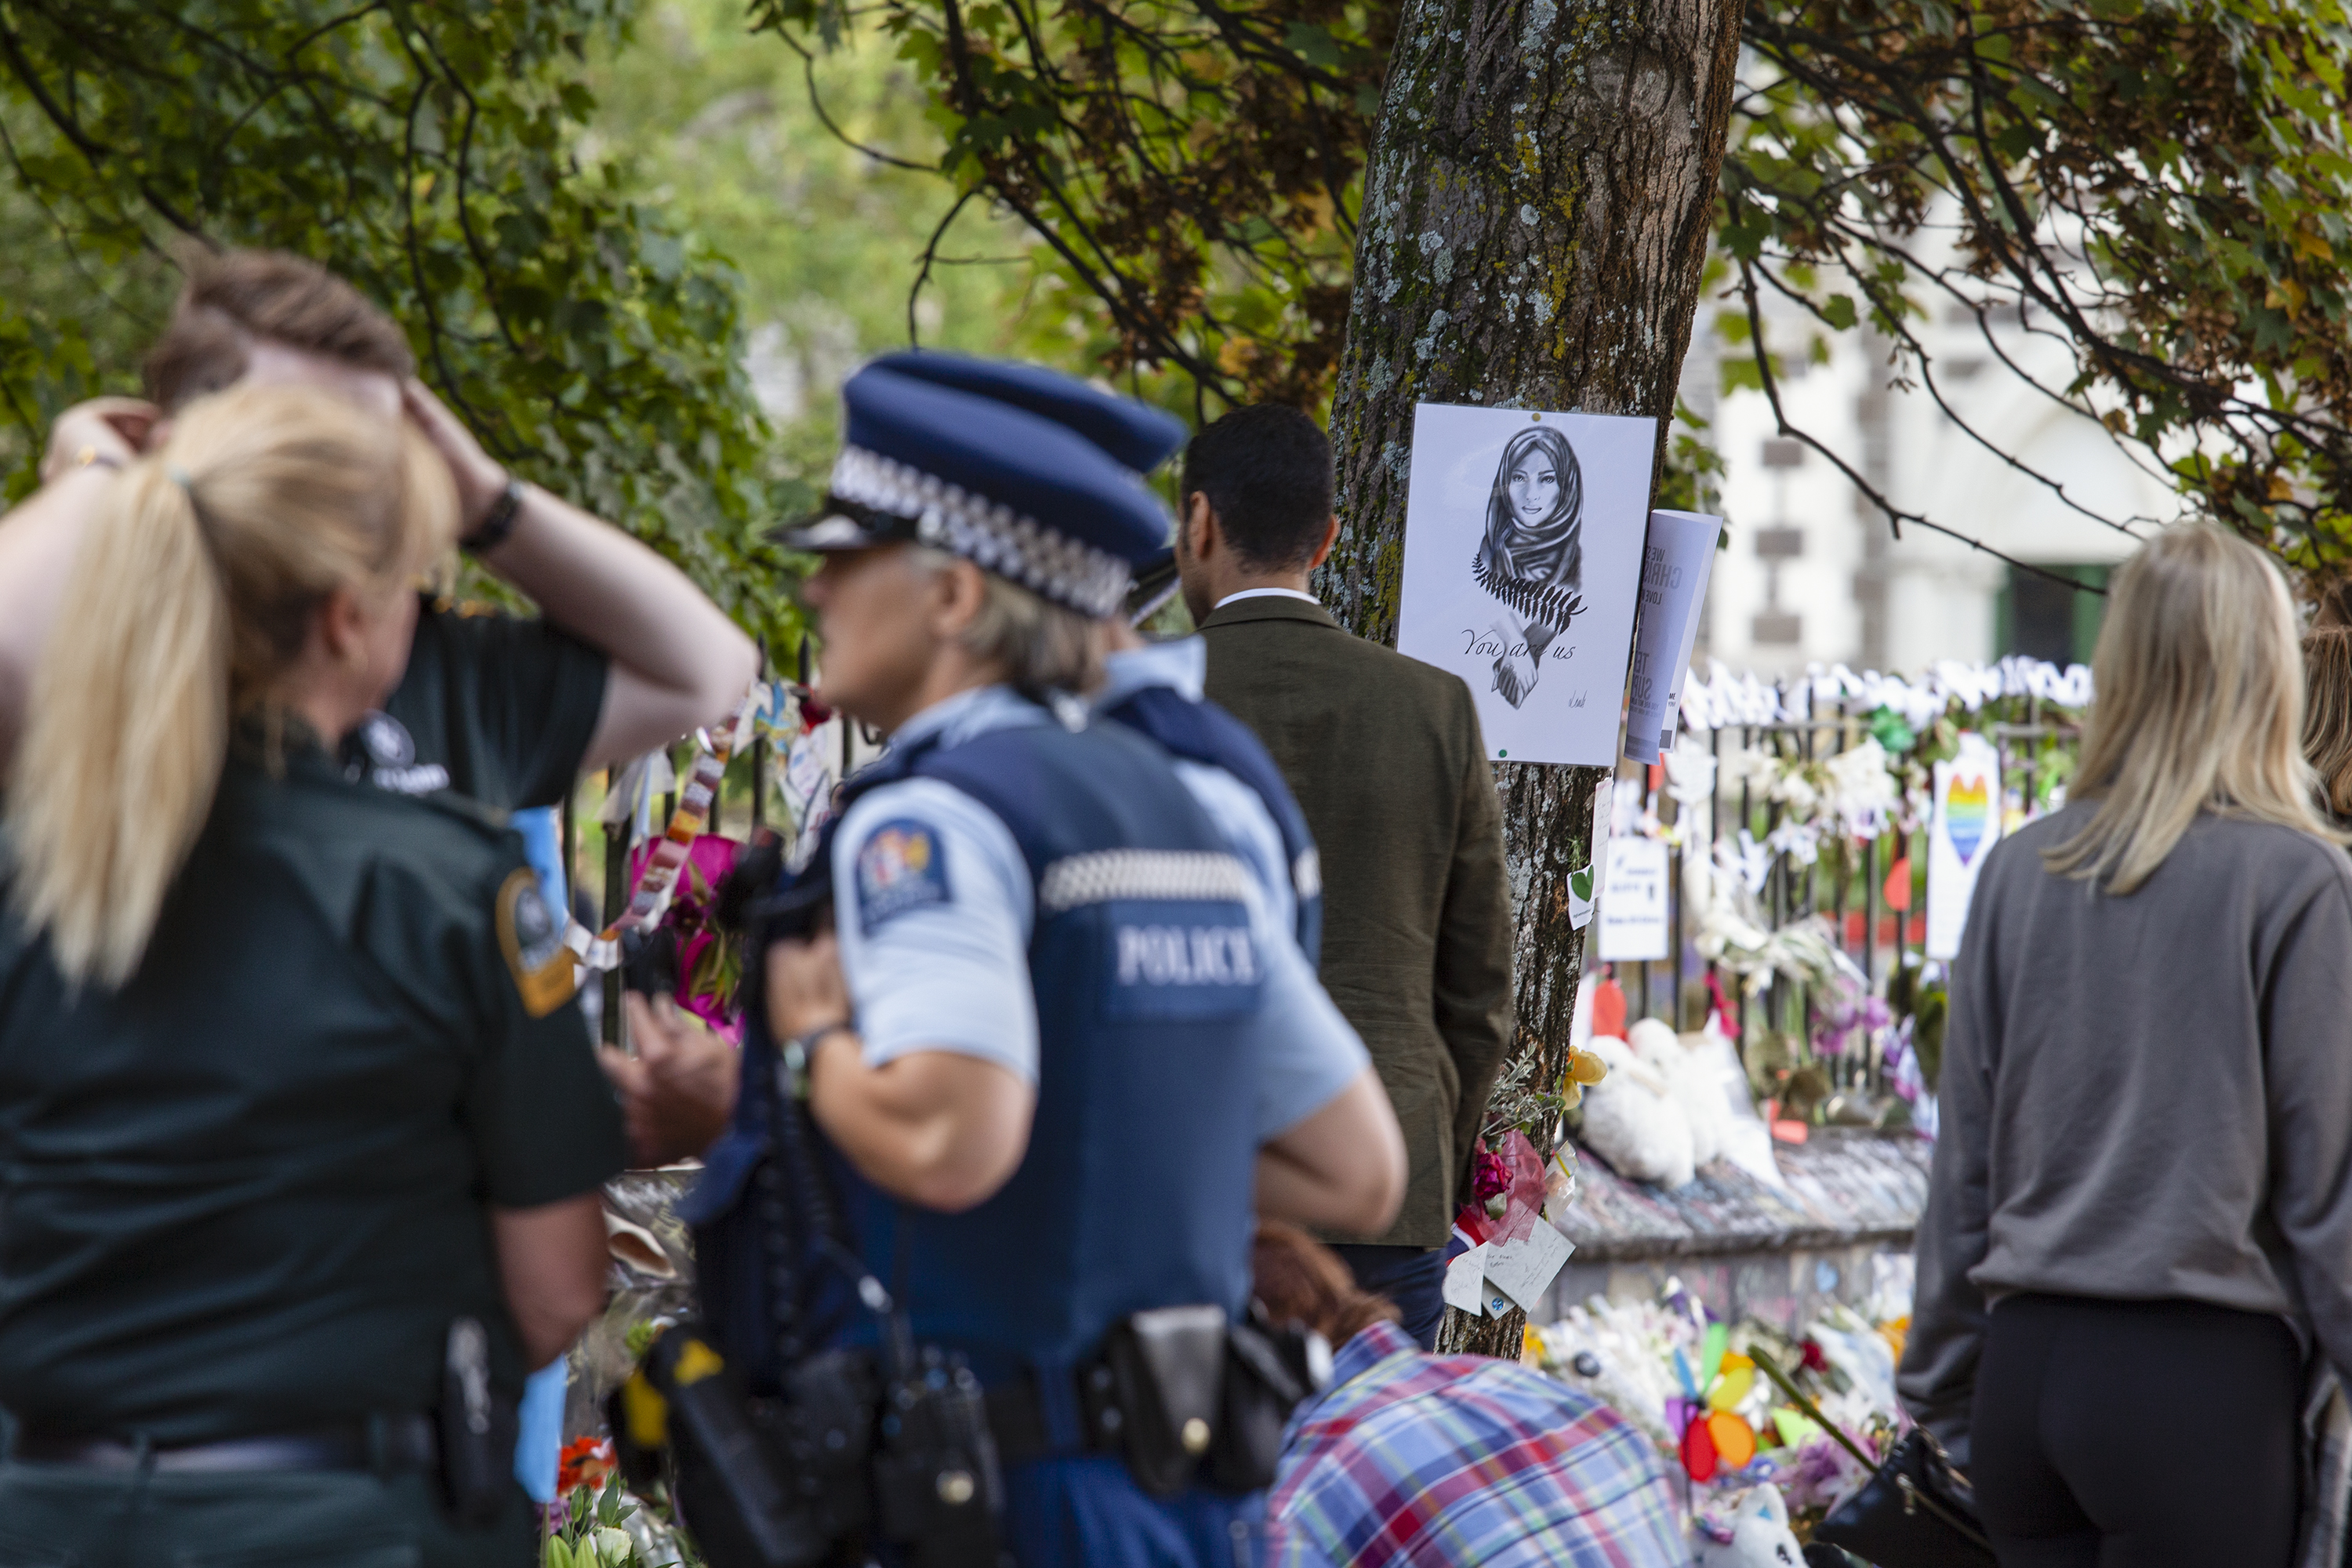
(1633, 902)
(1523, 543)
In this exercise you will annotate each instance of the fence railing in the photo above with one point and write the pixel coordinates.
(1823, 875)
(1833, 879)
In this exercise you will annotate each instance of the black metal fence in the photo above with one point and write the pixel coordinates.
(1845, 884)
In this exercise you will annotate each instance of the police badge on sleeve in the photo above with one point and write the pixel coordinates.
(532, 944)
(900, 867)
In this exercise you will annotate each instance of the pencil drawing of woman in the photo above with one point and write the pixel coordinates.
(1532, 557)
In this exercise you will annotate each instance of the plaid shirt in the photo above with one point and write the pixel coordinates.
(1408, 1459)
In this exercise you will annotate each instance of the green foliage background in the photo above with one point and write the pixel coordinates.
(430, 152)
(2161, 185)
(637, 256)
(719, 134)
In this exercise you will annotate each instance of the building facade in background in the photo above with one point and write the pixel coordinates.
(1812, 572)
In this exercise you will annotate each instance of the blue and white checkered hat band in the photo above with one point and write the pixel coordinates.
(991, 536)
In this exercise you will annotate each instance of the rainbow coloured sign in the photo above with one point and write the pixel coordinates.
(1967, 808)
(1961, 832)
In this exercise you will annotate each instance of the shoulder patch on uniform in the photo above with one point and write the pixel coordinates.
(532, 944)
(900, 867)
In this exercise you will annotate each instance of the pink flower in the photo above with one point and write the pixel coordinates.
(1488, 1175)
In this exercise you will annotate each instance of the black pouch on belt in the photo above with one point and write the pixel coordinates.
(477, 1430)
(762, 1483)
(1267, 1372)
(1168, 1370)
(937, 1483)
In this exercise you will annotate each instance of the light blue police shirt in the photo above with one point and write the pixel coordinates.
(934, 908)
(1183, 667)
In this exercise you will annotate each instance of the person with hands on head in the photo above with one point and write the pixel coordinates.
(628, 654)
(1055, 1045)
(304, 1147)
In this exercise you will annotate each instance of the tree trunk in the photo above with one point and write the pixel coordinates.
(1536, 208)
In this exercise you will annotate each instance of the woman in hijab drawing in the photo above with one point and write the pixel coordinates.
(1532, 558)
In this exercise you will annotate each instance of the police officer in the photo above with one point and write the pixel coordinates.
(1155, 688)
(300, 1140)
(1054, 1044)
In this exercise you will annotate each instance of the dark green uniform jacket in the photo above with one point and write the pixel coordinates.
(249, 1191)
(1386, 759)
(498, 708)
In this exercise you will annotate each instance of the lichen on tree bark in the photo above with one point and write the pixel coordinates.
(1535, 222)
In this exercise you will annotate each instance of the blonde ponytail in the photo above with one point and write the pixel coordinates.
(191, 595)
(129, 724)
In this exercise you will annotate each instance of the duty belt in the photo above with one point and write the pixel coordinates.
(1017, 1417)
(1183, 1396)
(383, 1443)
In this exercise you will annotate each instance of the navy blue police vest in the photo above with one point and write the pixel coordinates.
(1135, 1189)
(1204, 732)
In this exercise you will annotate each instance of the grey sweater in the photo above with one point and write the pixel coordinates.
(2145, 1096)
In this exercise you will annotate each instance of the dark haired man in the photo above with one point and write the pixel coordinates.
(1386, 759)
(629, 655)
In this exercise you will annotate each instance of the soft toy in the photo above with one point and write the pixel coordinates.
(1633, 1121)
(1687, 1079)
(1755, 1536)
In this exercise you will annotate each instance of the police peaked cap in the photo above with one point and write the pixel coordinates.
(1030, 474)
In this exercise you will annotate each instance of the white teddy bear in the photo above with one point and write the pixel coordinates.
(1759, 1535)
(1690, 1080)
(1633, 1119)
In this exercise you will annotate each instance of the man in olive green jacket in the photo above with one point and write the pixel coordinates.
(1385, 756)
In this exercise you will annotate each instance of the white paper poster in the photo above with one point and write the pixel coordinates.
(1633, 905)
(1522, 565)
(1964, 827)
(1675, 566)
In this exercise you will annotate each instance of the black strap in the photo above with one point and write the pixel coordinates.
(388, 1443)
(1874, 1466)
(1017, 1415)
(793, 1161)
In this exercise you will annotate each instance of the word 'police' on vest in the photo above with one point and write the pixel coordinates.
(1180, 956)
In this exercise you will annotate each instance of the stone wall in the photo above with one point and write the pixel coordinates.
(1841, 1216)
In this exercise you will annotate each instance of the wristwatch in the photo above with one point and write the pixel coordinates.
(497, 522)
(798, 1050)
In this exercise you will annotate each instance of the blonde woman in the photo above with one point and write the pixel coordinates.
(299, 1131)
(2139, 1225)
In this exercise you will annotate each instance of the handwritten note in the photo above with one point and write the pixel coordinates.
(1633, 911)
